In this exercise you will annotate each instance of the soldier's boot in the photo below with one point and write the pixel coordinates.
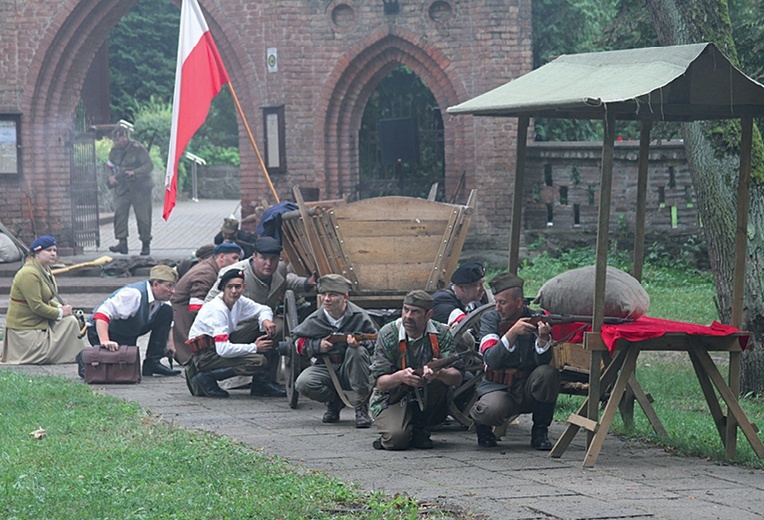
(145, 249)
(540, 439)
(207, 381)
(120, 247)
(362, 418)
(485, 436)
(263, 387)
(420, 437)
(152, 366)
(332, 414)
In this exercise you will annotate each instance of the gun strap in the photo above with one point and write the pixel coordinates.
(433, 344)
(336, 381)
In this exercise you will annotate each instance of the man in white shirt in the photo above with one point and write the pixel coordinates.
(215, 357)
(135, 310)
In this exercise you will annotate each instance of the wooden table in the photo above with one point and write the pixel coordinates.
(620, 375)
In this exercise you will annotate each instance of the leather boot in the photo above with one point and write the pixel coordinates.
(362, 418)
(539, 438)
(145, 249)
(120, 247)
(332, 414)
(485, 436)
(207, 381)
(420, 438)
(153, 366)
(263, 387)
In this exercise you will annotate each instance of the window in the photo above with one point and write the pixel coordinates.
(10, 144)
(275, 134)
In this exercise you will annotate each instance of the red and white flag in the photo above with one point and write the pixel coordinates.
(199, 76)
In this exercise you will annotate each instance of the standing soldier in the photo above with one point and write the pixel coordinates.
(348, 357)
(130, 176)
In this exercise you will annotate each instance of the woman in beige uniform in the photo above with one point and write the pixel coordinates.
(39, 329)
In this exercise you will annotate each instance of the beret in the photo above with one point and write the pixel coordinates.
(230, 225)
(419, 298)
(468, 272)
(503, 281)
(164, 273)
(334, 283)
(228, 247)
(229, 275)
(268, 246)
(43, 242)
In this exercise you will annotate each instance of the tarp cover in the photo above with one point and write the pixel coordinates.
(684, 82)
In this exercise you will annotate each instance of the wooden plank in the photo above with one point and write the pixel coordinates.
(440, 257)
(455, 243)
(730, 448)
(645, 401)
(348, 271)
(730, 399)
(391, 228)
(376, 250)
(598, 439)
(583, 422)
(710, 394)
(393, 208)
(741, 231)
(314, 248)
(392, 277)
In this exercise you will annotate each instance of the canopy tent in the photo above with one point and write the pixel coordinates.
(681, 83)
(676, 83)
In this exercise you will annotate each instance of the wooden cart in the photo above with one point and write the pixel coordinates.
(385, 246)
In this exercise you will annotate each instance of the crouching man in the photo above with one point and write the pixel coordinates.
(518, 378)
(328, 336)
(215, 357)
(409, 396)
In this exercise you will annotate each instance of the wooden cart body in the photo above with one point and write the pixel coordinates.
(385, 246)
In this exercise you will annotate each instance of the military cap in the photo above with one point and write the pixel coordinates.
(228, 247)
(334, 283)
(43, 242)
(468, 272)
(419, 298)
(229, 275)
(503, 281)
(205, 251)
(163, 273)
(268, 246)
(230, 225)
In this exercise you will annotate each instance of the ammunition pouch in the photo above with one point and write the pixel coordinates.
(506, 376)
(200, 343)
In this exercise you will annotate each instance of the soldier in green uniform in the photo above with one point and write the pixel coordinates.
(130, 175)
(409, 396)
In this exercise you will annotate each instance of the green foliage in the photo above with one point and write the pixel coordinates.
(143, 49)
(103, 457)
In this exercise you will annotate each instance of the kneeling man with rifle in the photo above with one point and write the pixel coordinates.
(412, 366)
(340, 335)
(518, 378)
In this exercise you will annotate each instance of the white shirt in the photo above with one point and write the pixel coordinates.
(216, 320)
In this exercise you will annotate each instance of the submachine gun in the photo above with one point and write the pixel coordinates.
(402, 391)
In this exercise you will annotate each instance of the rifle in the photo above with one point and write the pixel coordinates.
(560, 319)
(403, 390)
(341, 337)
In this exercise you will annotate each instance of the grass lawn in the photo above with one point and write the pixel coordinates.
(102, 457)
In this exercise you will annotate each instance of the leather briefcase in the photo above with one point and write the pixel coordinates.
(104, 366)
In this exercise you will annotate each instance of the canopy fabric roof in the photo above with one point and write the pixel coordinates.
(676, 83)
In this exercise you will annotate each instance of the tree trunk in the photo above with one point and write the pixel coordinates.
(712, 152)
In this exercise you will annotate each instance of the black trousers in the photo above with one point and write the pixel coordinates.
(159, 327)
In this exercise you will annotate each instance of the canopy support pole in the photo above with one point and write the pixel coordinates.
(639, 225)
(517, 198)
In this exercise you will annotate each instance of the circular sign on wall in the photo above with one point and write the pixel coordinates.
(272, 59)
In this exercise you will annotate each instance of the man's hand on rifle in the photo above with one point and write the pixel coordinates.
(408, 376)
(263, 344)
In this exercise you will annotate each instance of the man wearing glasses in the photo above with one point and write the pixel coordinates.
(134, 310)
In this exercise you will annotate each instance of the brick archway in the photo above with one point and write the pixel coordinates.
(355, 78)
(58, 72)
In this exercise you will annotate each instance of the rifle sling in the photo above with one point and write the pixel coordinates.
(336, 381)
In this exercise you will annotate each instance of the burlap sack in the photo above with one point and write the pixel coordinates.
(8, 250)
(572, 292)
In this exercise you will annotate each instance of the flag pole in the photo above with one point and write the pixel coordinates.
(252, 140)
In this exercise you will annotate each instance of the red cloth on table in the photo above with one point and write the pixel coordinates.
(645, 328)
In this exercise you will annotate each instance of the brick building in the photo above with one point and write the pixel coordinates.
(307, 66)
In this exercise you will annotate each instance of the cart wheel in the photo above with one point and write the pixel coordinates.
(293, 360)
(463, 398)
